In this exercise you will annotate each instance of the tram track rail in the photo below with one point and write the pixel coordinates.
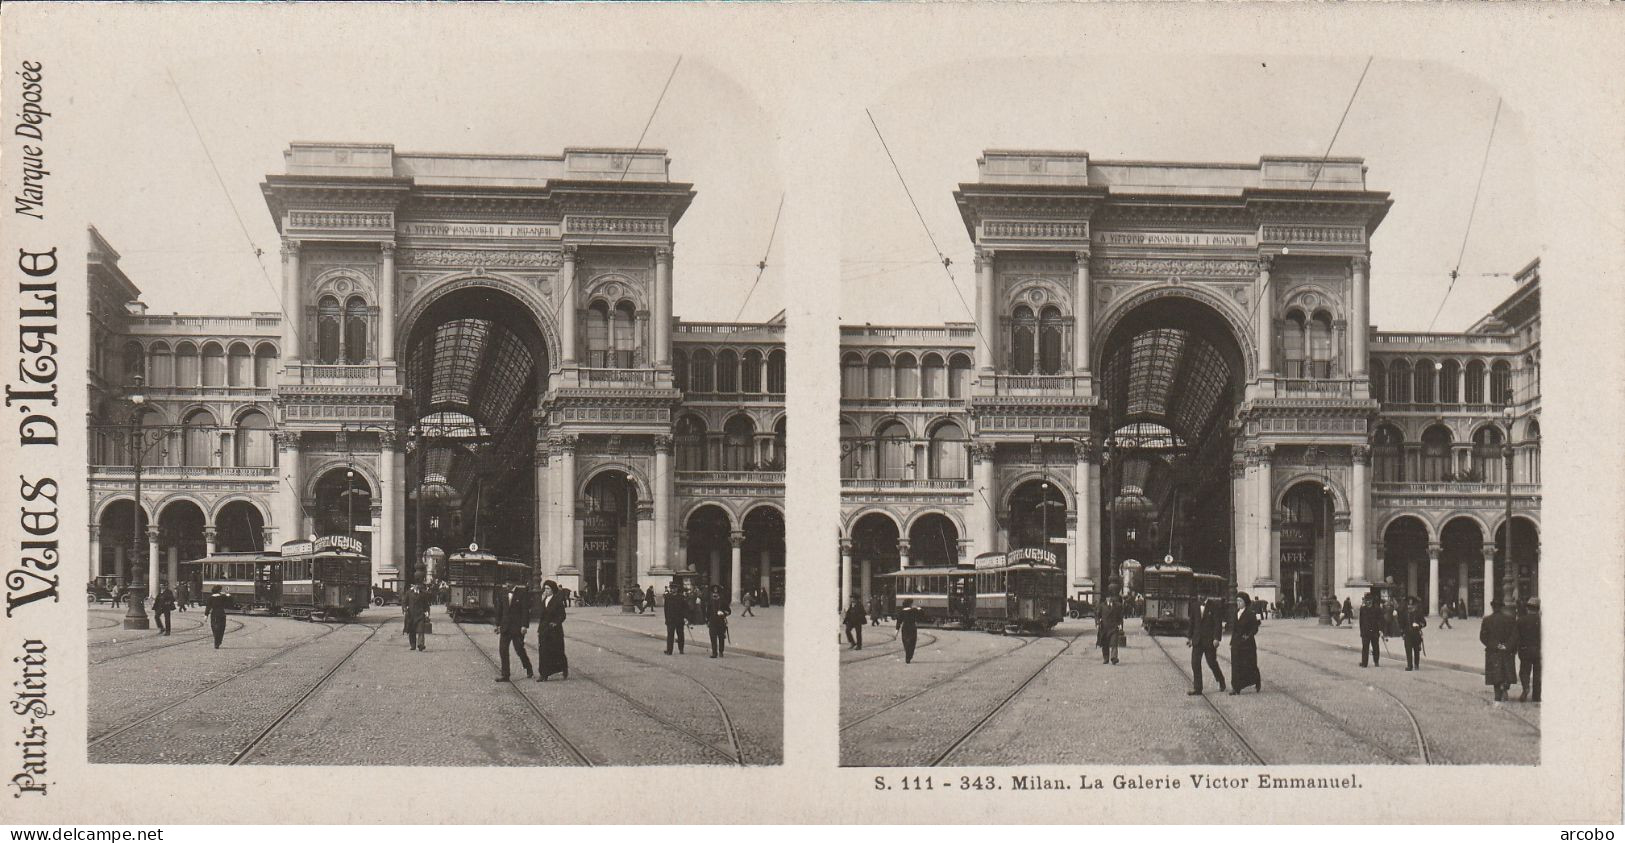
(933, 685)
(898, 640)
(287, 712)
(976, 729)
(1424, 752)
(1235, 731)
(575, 752)
(185, 639)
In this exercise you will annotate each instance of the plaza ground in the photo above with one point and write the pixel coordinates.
(978, 698)
(281, 691)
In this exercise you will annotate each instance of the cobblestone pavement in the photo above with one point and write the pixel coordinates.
(974, 698)
(281, 691)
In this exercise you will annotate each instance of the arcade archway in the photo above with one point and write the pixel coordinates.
(874, 552)
(1461, 564)
(180, 537)
(121, 545)
(344, 506)
(239, 528)
(933, 541)
(1525, 558)
(763, 552)
(708, 532)
(1037, 516)
(1405, 556)
(609, 535)
(1306, 560)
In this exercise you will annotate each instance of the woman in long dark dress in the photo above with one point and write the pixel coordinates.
(1243, 649)
(550, 658)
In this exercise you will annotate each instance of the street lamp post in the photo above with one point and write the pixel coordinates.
(135, 617)
(624, 568)
(1509, 576)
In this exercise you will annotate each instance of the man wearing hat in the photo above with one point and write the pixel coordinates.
(1529, 651)
(717, 610)
(1370, 629)
(1411, 622)
(513, 619)
(1499, 635)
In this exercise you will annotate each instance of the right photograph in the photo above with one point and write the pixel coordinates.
(1220, 445)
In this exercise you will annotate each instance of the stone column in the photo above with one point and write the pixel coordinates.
(904, 547)
(736, 544)
(386, 303)
(988, 323)
(288, 495)
(96, 551)
(1269, 534)
(1461, 582)
(716, 566)
(663, 488)
(682, 551)
(210, 535)
(293, 303)
(1083, 534)
(986, 519)
(152, 562)
(1433, 578)
(1360, 319)
(662, 312)
(1083, 316)
(1461, 384)
(1265, 318)
(1241, 479)
(867, 585)
(846, 573)
(564, 454)
(646, 541)
(379, 560)
(1492, 589)
(1344, 540)
(764, 574)
(121, 567)
(385, 550)
(1359, 509)
(1379, 564)
(544, 544)
(567, 308)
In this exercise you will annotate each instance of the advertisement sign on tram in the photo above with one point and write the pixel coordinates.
(321, 544)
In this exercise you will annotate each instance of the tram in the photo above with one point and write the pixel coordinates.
(1020, 591)
(475, 578)
(1170, 591)
(238, 575)
(326, 577)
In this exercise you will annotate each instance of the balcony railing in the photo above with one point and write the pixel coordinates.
(902, 483)
(1315, 386)
(359, 373)
(1036, 384)
(1474, 487)
(730, 477)
(618, 377)
(735, 397)
(165, 471)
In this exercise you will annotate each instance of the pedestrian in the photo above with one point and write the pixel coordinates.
(1348, 612)
(1529, 651)
(550, 657)
(649, 597)
(1108, 627)
(876, 609)
(1243, 649)
(696, 607)
(416, 607)
(118, 595)
(1202, 635)
(1445, 612)
(162, 605)
(1413, 620)
(215, 610)
(855, 619)
(908, 621)
(1499, 635)
(676, 618)
(513, 619)
(717, 611)
(1370, 630)
(745, 600)
(183, 596)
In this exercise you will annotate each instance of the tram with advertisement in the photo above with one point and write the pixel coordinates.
(476, 578)
(321, 578)
(1023, 591)
(1170, 591)
(239, 576)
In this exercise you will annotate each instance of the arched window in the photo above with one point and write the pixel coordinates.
(598, 335)
(1293, 348)
(852, 375)
(907, 377)
(624, 334)
(355, 330)
(895, 451)
(1399, 382)
(1475, 382)
(959, 367)
(1388, 454)
(679, 369)
(1487, 455)
(240, 365)
(1426, 376)
(328, 330)
(775, 372)
(701, 374)
(948, 456)
(214, 365)
(160, 365)
(1435, 454)
(1022, 326)
(933, 374)
(879, 376)
(252, 446)
(265, 365)
(750, 372)
(1501, 383)
(689, 442)
(727, 371)
(1320, 345)
(1049, 341)
(738, 443)
(135, 362)
(197, 439)
(187, 374)
(1531, 446)
(777, 460)
(1379, 381)
(1449, 381)
(851, 451)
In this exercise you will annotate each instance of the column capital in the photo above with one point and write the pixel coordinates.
(539, 457)
(287, 440)
(1433, 550)
(1082, 257)
(387, 248)
(152, 533)
(664, 443)
(1266, 263)
(389, 440)
(1341, 521)
(211, 532)
(736, 539)
(564, 444)
(1360, 455)
(376, 511)
(904, 546)
(1488, 549)
(569, 252)
(984, 257)
(1359, 263)
(290, 247)
(981, 451)
(845, 545)
(646, 511)
(663, 254)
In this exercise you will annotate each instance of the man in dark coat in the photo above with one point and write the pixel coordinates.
(676, 618)
(1499, 635)
(1107, 627)
(416, 608)
(162, 605)
(854, 620)
(215, 610)
(1370, 630)
(183, 596)
(717, 610)
(908, 620)
(1529, 651)
(1412, 620)
(1203, 636)
(513, 618)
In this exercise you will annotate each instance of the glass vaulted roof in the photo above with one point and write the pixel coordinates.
(1167, 375)
(475, 366)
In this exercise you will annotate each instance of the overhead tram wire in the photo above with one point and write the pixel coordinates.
(761, 266)
(1471, 213)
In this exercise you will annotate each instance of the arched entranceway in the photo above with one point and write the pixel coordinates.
(609, 535)
(1306, 561)
(933, 541)
(708, 534)
(1405, 557)
(874, 552)
(1172, 372)
(239, 528)
(1037, 516)
(1461, 564)
(344, 506)
(1525, 558)
(180, 537)
(476, 360)
(763, 553)
(121, 544)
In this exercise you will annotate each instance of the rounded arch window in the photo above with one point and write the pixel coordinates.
(1049, 340)
(355, 330)
(188, 373)
(852, 376)
(1435, 454)
(239, 365)
(329, 331)
(895, 451)
(1449, 382)
(727, 371)
(1023, 329)
(160, 365)
(1388, 454)
(252, 443)
(906, 382)
(880, 379)
(1475, 382)
(689, 440)
(265, 366)
(1487, 456)
(214, 365)
(679, 369)
(623, 334)
(933, 377)
(1399, 382)
(1426, 378)
(948, 452)
(598, 334)
(700, 371)
(738, 446)
(1320, 345)
(197, 439)
(750, 372)
(775, 372)
(1295, 351)
(959, 369)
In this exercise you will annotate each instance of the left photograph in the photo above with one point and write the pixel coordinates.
(423, 445)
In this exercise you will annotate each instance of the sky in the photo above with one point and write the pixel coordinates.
(1422, 129)
(176, 223)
